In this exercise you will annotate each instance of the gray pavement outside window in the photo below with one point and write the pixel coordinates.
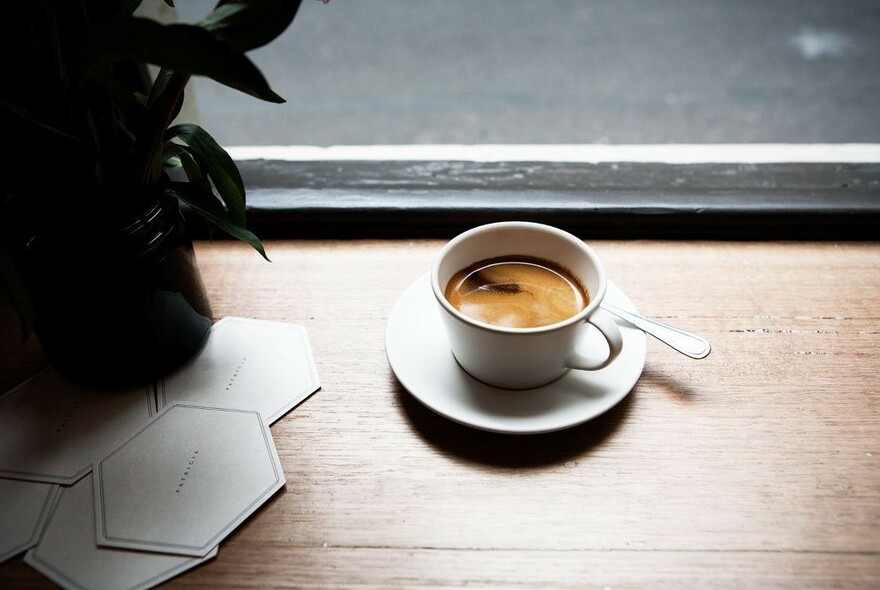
(361, 72)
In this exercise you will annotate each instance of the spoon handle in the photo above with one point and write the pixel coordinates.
(684, 342)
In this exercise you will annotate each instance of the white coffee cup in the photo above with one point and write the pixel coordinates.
(524, 358)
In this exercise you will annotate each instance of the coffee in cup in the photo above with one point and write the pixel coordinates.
(516, 291)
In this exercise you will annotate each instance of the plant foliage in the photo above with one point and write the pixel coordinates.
(92, 135)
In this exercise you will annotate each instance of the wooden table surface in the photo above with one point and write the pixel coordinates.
(758, 467)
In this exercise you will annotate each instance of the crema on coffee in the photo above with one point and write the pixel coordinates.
(516, 292)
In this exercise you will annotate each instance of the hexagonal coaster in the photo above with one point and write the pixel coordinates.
(53, 430)
(185, 481)
(24, 509)
(247, 365)
(67, 553)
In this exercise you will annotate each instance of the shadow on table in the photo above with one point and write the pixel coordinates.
(669, 385)
(508, 450)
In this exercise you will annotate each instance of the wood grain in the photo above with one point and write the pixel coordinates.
(756, 467)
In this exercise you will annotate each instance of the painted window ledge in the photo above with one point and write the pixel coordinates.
(736, 191)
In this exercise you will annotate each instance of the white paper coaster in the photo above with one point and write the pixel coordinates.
(247, 365)
(67, 553)
(53, 430)
(185, 481)
(24, 508)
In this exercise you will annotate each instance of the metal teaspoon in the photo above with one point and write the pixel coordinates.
(684, 342)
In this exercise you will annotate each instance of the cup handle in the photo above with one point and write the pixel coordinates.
(606, 325)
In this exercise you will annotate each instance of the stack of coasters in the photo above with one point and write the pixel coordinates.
(127, 489)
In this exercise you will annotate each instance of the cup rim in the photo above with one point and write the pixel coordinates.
(579, 317)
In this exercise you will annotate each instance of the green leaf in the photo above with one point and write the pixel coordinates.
(188, 49)
(164, 103)
(12, 283)
(217, 164)
(248, 24)
(171, 155)
(192, 169)
(205, 204)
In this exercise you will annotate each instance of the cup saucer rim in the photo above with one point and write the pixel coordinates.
(403, 341)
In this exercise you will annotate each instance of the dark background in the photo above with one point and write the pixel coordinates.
(560, 71)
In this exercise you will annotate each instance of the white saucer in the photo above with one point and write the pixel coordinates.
(417, 349)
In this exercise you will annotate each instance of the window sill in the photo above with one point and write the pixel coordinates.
(714, 192)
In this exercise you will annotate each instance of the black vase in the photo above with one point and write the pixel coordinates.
(118, 304)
